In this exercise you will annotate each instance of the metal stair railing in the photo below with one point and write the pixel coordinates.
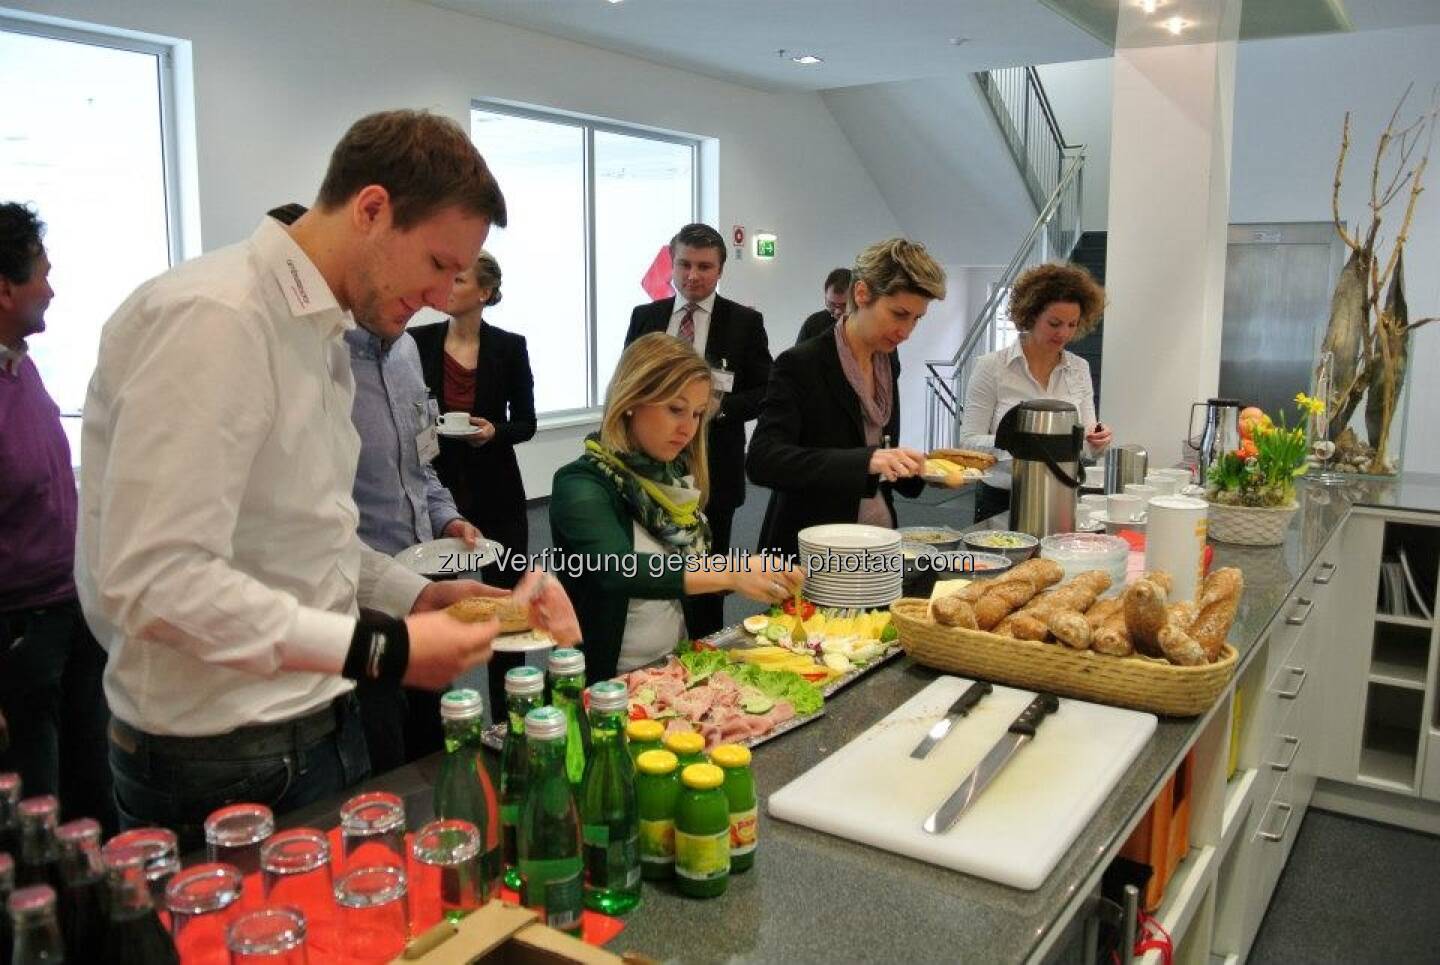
(945, 379)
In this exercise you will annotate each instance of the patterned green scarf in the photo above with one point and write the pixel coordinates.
(639, 480)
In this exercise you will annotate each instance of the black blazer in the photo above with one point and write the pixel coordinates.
(816, 324)
(810, 449)
(736, 336)
(485, 480)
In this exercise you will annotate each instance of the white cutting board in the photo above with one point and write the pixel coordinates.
(872, 791)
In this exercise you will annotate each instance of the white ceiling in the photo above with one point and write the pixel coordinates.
(861, 41)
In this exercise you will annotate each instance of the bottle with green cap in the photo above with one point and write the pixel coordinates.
(609, 818)
(566, 669)
(642, 736)
(549, 841)
(702, 833)
(687, 746)
(463, 790)
(657, 788)
(739, 787)
(524, 691)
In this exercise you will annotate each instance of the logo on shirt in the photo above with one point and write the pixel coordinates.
(377, 653)
(301, 297)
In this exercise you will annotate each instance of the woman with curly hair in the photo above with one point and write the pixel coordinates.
(1051, 305)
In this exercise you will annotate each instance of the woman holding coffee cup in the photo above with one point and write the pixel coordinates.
(1051, 305)
(481, 376)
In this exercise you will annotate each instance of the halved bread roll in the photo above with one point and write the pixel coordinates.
(966, 458)
(477, 609)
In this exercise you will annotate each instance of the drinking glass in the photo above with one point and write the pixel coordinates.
(203, 900)
(295, 870)
(447, 873)
(270, 936)
(373, 920)
(372, 831)
(162, 857)
(234, 834)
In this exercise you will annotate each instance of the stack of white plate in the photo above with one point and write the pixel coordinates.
(851, 565)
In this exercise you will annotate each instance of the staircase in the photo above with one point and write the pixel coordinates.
(1052, 171)
(1089, 253)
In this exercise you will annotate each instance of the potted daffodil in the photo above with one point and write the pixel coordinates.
(1251, 489)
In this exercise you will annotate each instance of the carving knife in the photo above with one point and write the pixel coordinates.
(960, 708)
(1022, 730)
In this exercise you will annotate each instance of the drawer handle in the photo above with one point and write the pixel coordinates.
(1284, 823)
(1294, 743)
(1299, 683)
(1297, 619)
(1327, 571)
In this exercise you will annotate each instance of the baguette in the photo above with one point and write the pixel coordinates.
(1102, 611)
(1179, 647)
(1111, 637)
(1001, 600)
(1070, 628)
(1144, 604)
(1027, 626)
(951, 611)
(1079, 594)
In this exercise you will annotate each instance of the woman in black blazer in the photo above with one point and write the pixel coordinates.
(475, 367)
(825, 441)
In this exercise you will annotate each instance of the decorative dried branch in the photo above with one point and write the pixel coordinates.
(1335, 196)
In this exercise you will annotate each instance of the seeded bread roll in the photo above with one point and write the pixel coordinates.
(1001, 600)
(1144, 603)
(1179, 647)
(1079, 594)
(965, 458)
(951, 611)
(1070, 628)
(1112, 638)
(1102, 611)
(1043, 573)
(1027, 626)
(477, 609)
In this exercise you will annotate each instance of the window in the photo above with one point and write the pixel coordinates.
(1003, 332)
(86, 145)
(591, 204)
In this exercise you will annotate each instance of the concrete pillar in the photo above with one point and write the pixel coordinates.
(1169, 211)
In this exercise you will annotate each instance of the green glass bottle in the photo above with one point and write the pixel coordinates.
(463, 790)
(739, 787)
(702, 833)
(657, 788)
(642, 736)
(551, 879)
(609, 818)
(524, 691)
(687, 746)
(566, 668)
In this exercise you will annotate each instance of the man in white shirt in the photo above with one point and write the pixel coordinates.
(218, 560)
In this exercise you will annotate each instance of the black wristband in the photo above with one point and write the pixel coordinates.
(379, 650)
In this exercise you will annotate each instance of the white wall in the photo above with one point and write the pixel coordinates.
(1291, 96)
(1080, 92)
(276, 83)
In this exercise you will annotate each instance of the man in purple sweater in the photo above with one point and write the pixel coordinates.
(52, 708)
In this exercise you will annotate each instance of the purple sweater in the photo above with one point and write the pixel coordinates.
(37, 495)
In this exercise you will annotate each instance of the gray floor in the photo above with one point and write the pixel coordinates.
(1353, 891)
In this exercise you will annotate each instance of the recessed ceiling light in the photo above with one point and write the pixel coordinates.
(1147, 6)
(807, 59)
(615, 1)
(959, 41)
(1175, 25)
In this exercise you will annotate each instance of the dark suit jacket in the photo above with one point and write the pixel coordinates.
(817, 324)
(736, 336)
(810, 449)
(485, 480)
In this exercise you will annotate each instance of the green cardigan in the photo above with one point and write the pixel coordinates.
(589, 517)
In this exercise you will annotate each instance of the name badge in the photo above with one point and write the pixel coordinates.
(722, 380)
(427, 443)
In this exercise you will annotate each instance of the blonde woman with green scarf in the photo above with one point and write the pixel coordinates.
(628, 517)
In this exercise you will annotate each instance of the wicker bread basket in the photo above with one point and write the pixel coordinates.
(1140, 683)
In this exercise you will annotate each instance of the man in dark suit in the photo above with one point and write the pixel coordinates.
(732, 339)
(837, 289)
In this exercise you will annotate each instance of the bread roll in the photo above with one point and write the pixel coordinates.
(1102, 611)
(1179, 647)
(1079, 594)
(1043, 573)
(966, 458)
(1027, 626)
(1001, 600)
(477, 609)
(1221, 584)
(1144, 605)
(1070, 628)
(951, 611)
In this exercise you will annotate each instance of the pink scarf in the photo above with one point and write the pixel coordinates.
(877, 408)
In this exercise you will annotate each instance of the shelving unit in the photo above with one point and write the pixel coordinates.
(1390, 744)
(1400, 656)
(1420, 623)
(1185, 896)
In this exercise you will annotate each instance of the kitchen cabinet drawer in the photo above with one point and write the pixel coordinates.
(1272, 837)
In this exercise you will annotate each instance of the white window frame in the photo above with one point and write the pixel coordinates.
(588, 125)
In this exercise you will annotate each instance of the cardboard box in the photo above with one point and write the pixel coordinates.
(501, 934)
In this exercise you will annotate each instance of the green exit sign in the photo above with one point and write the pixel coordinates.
(764, 245)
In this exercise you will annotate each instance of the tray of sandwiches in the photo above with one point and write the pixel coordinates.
(954, 468)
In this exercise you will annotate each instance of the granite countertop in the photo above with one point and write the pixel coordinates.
(812, 897)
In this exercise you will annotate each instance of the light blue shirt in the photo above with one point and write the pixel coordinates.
(400, 498)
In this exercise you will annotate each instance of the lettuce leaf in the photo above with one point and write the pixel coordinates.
(804, 696)
(700, 664)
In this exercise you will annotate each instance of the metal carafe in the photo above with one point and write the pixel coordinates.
(1220, 434)
(1045, 437)
(1123, 465)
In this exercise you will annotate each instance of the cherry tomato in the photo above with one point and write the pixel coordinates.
(807, 609)
(637, 712)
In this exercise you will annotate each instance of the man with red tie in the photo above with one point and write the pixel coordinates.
(732, 339)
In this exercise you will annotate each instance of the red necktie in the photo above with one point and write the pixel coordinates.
(687, 323)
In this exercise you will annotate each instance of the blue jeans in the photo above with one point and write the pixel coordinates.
(175, 782)
(50, 694)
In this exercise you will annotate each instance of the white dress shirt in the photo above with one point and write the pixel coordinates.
(704, 309)
(1001, 380)
(10, 358)
(217, 557)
